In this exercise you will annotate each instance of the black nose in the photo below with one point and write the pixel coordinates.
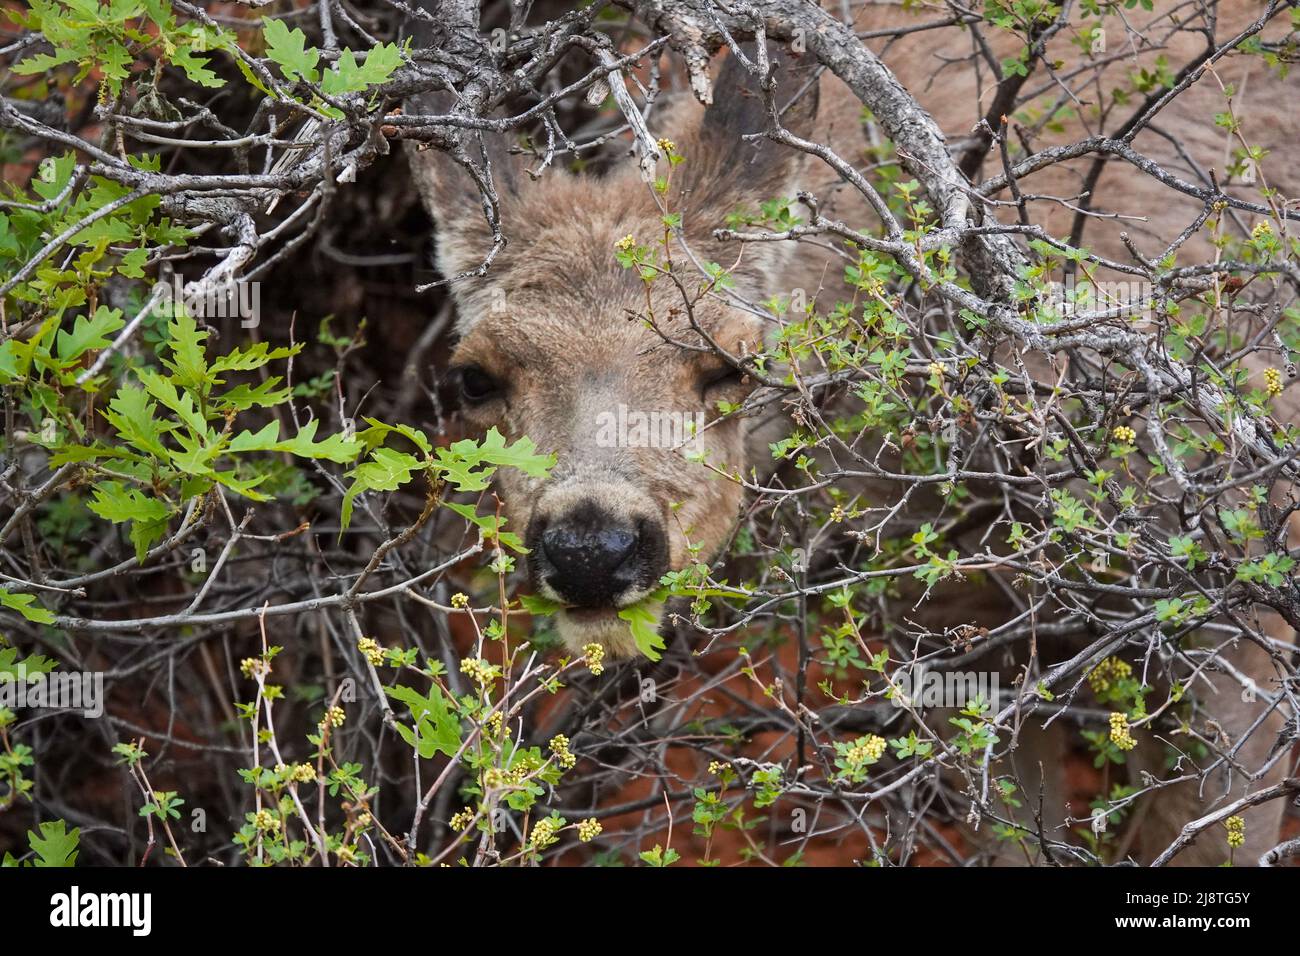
(589, 558)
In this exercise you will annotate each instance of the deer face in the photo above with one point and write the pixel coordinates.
(634, 426)
(555, 346)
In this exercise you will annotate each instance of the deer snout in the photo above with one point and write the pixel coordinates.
(591, 559)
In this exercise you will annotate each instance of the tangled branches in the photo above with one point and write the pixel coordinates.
(1022, 407)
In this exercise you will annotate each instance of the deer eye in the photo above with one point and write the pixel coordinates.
(476, 385)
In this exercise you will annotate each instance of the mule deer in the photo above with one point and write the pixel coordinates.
(547, 348)
(550, 337)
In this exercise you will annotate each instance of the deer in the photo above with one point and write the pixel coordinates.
(602, 528)
(551, 335)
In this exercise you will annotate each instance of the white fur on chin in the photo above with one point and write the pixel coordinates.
(609, 631)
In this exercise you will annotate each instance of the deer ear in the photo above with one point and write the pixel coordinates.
(454, 179)
(723, 169)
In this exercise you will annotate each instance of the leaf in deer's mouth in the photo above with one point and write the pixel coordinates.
(539, 605)
(643, 620)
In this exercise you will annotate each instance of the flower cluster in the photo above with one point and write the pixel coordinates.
(334, 717)
(1273, 381)
(252, 667)
(1236, 831)
(460, 600)
(370, 649)
(594, 656)
(544, 833)
(462, 820)
(854, 758)
(1119, 732)
(563, 756)
(1105, 675)
(1123, 433)
(297, 772)
(477, 668)
(867, 748)
(588, 830)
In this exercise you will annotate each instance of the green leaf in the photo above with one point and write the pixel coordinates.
(56, 846)
(43, 62)
(437, 728)
(196, 68)
(55, 174)
(25, 604)
(188, 363)
(255, 356)
(387, 470)
(378, 433)
(490, 525)
(335, 448)
(288, 49)
(537, 605)
(132, 415)
(659, 857)
(643, 619)
(348, 76)
(164, 389)
(241, 486)
(262, 395)
(148, 516)
(459, 460)
(32, 664)
(89, 333)
(133, 263)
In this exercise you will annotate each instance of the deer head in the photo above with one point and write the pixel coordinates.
(554, 345)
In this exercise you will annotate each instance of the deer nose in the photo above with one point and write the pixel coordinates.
(589, 559)
(580, 555)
